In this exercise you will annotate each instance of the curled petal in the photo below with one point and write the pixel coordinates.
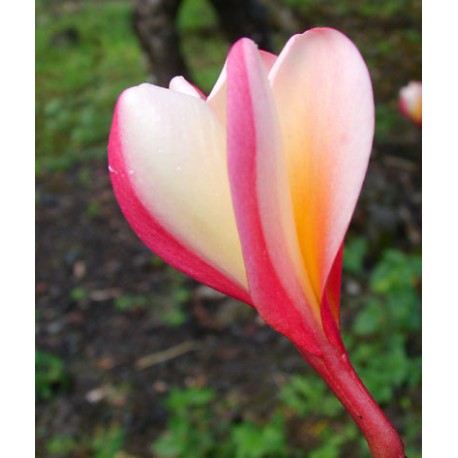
(172, 184)
(323, 96)
(261, 201)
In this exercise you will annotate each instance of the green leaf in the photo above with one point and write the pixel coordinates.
(354, 253)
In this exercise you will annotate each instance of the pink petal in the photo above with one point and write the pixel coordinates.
(164, 228)
(261, 201)
(323, 96)
(218, 96)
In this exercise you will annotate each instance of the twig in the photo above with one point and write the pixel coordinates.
(164, 355)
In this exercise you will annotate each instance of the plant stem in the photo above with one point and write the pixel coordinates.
(336, 370)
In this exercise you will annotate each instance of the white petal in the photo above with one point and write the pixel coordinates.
(176, 155)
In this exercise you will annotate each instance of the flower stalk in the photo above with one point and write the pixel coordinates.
(336, 370)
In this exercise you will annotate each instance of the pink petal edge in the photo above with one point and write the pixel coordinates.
(272, 300)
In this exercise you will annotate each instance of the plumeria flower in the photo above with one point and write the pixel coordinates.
(251, 190)
(410, 102)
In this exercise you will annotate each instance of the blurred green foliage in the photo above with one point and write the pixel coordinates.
(252, 440)
(309, 396)
(355, 251)
(193, 432)
(105, 442)
(385, 9)
(62, 445)
(86, 55)
(78, 294)
(50, 375)
(379, 339)
(190, 432)
(129, 302)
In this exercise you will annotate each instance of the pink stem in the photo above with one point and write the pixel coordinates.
(336, 370)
